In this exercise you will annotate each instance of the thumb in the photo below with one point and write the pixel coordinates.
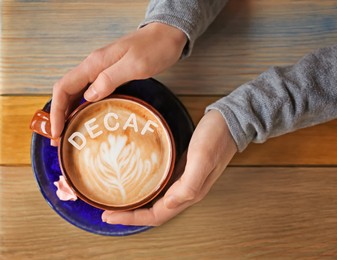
(200, 163)
(107, 81)
(179, 194)
(188, 187)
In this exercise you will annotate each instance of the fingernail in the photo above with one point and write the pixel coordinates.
(54, 137)
(104, 218)
(53, 143)
(91, 94)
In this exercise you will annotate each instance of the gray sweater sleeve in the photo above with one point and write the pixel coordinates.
(283, 99)
(191, 16)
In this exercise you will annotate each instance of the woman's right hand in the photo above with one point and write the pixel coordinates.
(138, 55)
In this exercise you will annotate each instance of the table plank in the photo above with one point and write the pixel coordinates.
(41, 40)
(311, 146)
(250, 213)
(15, 135)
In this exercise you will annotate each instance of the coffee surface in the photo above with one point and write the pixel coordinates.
(116, 152)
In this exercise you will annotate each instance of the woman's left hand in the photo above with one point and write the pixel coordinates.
(210, 150)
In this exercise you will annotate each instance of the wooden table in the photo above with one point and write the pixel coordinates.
(275, 201)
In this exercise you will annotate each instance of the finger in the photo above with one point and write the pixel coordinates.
(55, 142)
(61, 100)
(58, 108)
(159, 213)
(154, 216)
(108, 80)
(89, 69)
(62, 105)
(76, 80)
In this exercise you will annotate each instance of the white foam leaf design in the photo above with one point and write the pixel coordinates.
(118, 166)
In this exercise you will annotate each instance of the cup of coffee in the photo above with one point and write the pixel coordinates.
(115, 154)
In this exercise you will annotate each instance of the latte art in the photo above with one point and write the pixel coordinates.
(116, 152)
(118, 167)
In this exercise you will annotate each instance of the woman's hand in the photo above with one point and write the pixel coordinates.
(210, 150)
(139, 55)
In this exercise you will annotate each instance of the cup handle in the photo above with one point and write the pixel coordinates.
(41, 123)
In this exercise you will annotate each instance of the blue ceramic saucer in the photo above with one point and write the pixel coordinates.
(47, 170)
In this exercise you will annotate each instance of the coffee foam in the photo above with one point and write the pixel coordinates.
(125, 157)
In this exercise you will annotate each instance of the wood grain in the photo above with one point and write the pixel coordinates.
(15, 135)
(259, 212)
(250, 213)
(311, 146)
(41, 40)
